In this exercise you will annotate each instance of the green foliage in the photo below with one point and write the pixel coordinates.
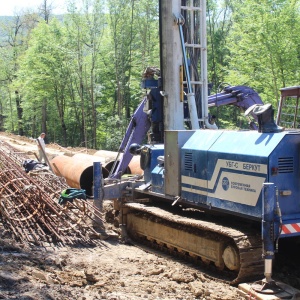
(79, 79)
(264, 46)
(218, 29)
(114, 132)
(44, 77)
(133, 44)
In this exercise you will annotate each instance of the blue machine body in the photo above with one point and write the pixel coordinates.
(226, 170)
(151, 161)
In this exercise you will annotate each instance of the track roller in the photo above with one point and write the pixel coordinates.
(231, 258)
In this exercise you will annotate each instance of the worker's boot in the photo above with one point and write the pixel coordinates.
(266, 122)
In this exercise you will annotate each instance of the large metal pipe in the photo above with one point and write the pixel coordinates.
(77, 172)
(106, 155)
(132, 168)
(90, 158)
(108, 159)
(135, 165)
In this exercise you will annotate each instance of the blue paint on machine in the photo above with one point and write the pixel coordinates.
(149, 160)
(225, 170)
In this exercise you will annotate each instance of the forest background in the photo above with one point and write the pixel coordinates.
(77, 77)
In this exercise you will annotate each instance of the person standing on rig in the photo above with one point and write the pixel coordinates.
(41, 147)
(212, 122)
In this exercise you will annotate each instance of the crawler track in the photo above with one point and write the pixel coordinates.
(234, 250)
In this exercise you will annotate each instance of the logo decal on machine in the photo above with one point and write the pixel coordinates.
(242, 186)
(234, 181)
(225, 183)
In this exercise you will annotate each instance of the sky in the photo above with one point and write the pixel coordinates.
(8, 7)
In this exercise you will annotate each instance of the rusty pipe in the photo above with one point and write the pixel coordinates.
(77, 172)
(110, 156)
(89, 158)
(106, 155)
(135, 166)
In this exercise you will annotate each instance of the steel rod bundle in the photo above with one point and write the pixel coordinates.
(30, 210)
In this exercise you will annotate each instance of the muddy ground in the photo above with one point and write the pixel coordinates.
(113, 269)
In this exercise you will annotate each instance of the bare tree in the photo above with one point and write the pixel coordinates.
(45, 10)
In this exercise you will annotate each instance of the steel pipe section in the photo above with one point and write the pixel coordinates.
(77, 172)
(90, 158)
(108, 159)
(135, 166)
(106, 155)
(78, 169)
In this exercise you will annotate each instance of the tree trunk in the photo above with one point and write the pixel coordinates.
(44, 116)
(20, 114)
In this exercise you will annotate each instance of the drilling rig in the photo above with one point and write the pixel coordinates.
(219, 196)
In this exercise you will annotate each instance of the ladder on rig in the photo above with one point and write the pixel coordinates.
(288, 115)
(194, 47)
